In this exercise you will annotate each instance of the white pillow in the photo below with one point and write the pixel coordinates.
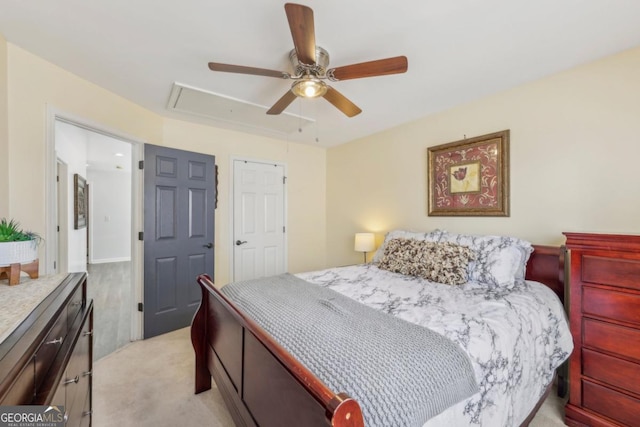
(501, 260)
(431, 236)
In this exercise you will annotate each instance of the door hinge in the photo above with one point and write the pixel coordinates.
(58, 228)
(140, 306)
(141, 164)
(57, 178)
(284, 179)
(54, 264)
(141, 235)
(283, 229)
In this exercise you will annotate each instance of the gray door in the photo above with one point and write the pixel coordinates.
(179, 198)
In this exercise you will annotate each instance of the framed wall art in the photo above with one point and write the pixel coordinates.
(469, 177)
(79, 202)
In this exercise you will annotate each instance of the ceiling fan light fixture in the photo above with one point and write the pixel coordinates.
(309, 88)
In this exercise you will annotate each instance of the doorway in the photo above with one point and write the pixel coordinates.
(259, 231)
(102, 243)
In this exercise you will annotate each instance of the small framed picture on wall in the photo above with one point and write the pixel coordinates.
(79, 202)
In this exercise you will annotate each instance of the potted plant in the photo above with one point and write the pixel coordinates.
(16, 245)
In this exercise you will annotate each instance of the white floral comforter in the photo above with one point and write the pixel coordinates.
(515, 339)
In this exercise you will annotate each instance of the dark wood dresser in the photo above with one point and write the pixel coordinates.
(604, 314)
(47, 359)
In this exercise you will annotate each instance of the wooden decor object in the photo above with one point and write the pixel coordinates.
(12, 272)
(264, 385)
(604, 314)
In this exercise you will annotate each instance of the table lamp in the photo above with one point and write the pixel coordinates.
(365, 242)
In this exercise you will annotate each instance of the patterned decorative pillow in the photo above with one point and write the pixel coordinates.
(431, 236)
(501, 260)
(437, 262)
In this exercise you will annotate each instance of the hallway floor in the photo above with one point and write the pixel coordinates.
(109, 285)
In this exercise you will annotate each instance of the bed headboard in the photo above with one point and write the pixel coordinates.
(546, 265)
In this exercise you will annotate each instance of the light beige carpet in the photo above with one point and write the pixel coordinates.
(150, 383)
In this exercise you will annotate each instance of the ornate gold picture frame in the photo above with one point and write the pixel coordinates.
(469, 177)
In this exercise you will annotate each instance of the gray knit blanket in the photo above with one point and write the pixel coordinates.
(401, 374)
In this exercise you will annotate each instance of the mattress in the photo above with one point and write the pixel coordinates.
(515, 338)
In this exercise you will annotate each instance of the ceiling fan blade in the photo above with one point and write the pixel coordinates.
(341, 102)
(302, 31)
(379, 67)
(240, 69)
(282, 103)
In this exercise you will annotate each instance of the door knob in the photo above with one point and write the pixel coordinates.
(208, 245)
(240, 242)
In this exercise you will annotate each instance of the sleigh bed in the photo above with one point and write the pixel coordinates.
(264, 384)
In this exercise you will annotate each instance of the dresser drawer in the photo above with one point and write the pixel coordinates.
(75, 304)
(86, 412)
(59, 396)
(617, 372)
(50, 347)
(611, 271)
(611, 338)
(614, 305)
(78, 374)
(610, 403)
(22, 389)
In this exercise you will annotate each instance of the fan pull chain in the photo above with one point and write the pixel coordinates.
(315, 122)
(299, 115)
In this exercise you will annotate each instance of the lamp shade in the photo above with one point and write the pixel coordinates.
(365, 242)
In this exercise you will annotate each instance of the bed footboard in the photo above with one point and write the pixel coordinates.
(261, 383)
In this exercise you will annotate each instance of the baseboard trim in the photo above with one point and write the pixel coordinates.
(108, 260)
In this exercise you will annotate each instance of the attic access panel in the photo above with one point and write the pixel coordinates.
(225, 109)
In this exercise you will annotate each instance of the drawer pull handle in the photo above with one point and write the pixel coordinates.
(72, 380)
(85, 413)
(56, 341)
(87, 374)
(87, 334)
(76, 303)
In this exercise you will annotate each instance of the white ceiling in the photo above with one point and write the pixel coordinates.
(107, 154)
(458, 50)
(103, 153)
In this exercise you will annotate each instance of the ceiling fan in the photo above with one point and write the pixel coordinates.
(310, 64)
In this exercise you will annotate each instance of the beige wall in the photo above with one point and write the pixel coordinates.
(575, 146)
(4, 132)
(34, 83)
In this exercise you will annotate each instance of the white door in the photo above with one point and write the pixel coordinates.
(258, 220)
